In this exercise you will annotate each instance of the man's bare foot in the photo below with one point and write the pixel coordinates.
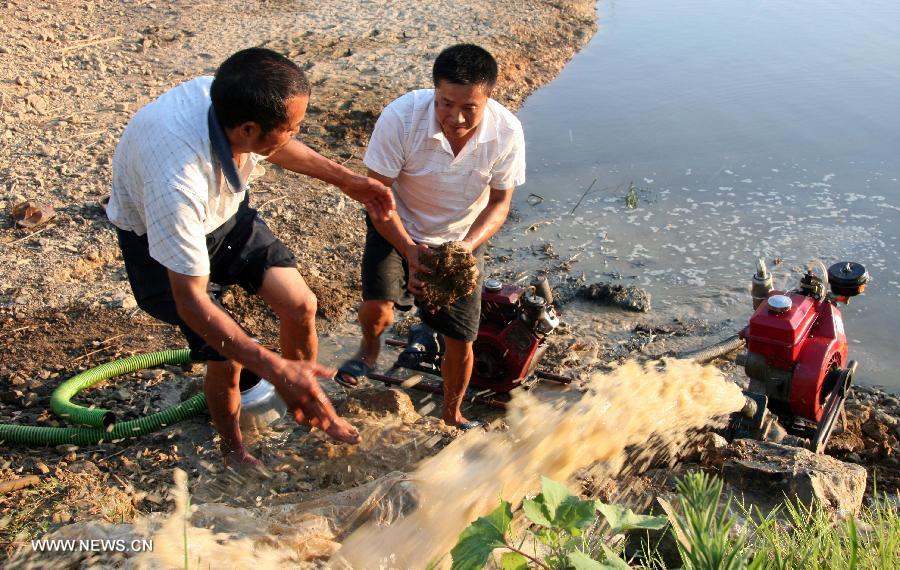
(244, 463)
(341, 430)
(453, 420)
(462, 423)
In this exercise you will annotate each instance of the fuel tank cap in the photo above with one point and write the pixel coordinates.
(779, 303)
(492, 285)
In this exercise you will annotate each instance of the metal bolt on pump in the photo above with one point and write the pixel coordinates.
(762, 284)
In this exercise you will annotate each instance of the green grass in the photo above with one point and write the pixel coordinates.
(795, 535)
(704, 526)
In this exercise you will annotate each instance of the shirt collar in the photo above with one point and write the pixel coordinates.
(222, 152)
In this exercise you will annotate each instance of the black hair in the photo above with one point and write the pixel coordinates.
(254, 85)
(465, 64)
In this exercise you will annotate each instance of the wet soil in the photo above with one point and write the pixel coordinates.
(71, 75)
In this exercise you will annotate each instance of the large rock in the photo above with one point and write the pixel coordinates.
(627, 297)
(764, 469)
(384, 401)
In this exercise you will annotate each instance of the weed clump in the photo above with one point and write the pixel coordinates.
(454, 275)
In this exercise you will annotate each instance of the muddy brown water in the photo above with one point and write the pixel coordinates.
(748, 130)
(554, 437)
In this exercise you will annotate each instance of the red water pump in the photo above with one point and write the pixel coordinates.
(515, 323)
(796, 355)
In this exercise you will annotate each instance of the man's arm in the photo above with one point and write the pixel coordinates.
(218, 329)
(392, 230)
(375, 196)
(295, 380)
(490, 219)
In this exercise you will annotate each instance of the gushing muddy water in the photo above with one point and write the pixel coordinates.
(628, 408)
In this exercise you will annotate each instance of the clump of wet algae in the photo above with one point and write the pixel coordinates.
(453, 275)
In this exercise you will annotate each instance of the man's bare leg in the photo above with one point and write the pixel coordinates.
(456, 368)
(223, 398)
(284, 289)
(374, 318)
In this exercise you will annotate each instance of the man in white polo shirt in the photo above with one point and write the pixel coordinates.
(453, 156)
(180, 205)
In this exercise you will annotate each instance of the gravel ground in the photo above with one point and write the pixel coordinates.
(71, 76)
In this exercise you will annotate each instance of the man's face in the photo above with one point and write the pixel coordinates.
(459, 108)
(278, 137)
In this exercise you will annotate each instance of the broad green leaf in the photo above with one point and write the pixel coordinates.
(613, 560)
(536, 512)
(513, 561)
(621, 519)
(578, 560)
(554, 493)
(547, 536)
(480, 539)
(574, 514)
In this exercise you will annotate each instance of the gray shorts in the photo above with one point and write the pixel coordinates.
(384, 278)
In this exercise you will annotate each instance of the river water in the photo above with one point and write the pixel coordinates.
(748, 129)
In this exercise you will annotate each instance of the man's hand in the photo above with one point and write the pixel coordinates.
(375, 196)
(412, 253)
(306, 401)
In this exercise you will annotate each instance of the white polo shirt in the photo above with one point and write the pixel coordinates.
(439, 195)
(166, 182)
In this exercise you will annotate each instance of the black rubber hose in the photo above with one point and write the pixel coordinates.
(704, 355)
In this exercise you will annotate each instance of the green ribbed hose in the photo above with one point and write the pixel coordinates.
(60, 400)
(36, 435)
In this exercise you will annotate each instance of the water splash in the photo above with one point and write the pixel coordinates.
(628, 407)
(414, 519)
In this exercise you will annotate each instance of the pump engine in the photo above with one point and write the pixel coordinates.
(515, 323)
(796, 355)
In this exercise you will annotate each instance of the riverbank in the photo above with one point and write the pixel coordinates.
(71, 76)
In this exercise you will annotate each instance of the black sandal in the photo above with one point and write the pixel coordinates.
(349, 372)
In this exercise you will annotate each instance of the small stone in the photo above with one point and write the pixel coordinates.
(391, 401)
(152, 374)
(84, 466)
(11, 396)
(884, 418)
(38, 103)
(773, 470)
(42, 467)
(626, 297)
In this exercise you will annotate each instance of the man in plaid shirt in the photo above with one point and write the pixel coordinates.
(180, 205)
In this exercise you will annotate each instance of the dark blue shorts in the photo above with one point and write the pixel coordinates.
(240, 252)
(384, 277)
